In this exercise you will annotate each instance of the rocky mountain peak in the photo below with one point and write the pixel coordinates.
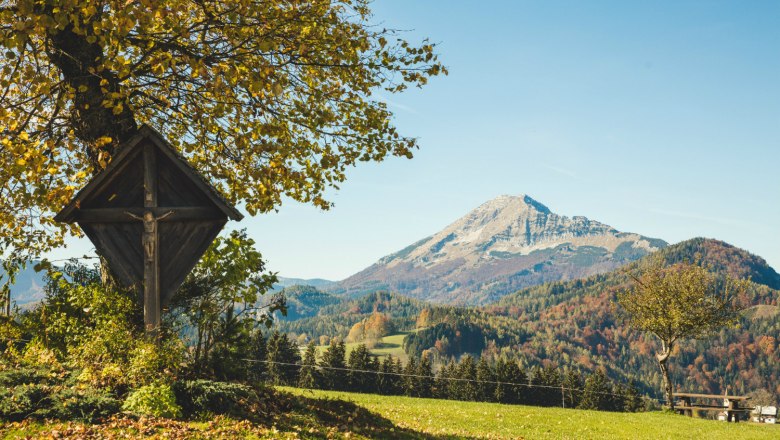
(509, 238)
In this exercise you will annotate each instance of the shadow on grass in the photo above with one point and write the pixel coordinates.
(343, 416)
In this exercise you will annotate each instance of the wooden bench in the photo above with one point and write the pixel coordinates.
(732, 409)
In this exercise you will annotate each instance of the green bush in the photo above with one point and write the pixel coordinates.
(24, 401)
(198, 397)
(87, 404)
(40, 394)
(22, 376)
(156, 400)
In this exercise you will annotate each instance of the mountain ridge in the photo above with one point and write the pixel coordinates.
(502, 245)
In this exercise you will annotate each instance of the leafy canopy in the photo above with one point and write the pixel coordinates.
(267, 97)
(682, 301)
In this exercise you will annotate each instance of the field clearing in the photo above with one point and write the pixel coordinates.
(388, 345)
(453, 419)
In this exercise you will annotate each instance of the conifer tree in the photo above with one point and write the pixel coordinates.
(572, 384)
(444, 386)
(486, 387)
(632, 399)
(308, 375)
(388, 380)
(517, 393)
(283, 359)
(399, 369)
(597, 392)
(467, 372)
(333, 364)
(409, 379)
(257, 353)
(361, 378)
(425, 381)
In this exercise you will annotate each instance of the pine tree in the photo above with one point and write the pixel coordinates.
(550, 391)
(409, 379)
(333, 365)
(425, 380)
(398, 367)
(257, 354)
(283, 359)
(443, 384)
(535, 394)
(517, 393)
(572, 384)
(597, 392)
(362, 378)
(632, 399)
(486, 387)
(467, 372)
(308, 375)
(387, 382)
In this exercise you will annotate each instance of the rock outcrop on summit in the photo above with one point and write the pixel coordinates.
(505, 244)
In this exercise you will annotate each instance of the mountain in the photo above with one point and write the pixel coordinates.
(27, 289)
(304, 301)
(505, 244)
(283, 282)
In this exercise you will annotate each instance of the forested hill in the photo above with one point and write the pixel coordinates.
(337, 315)
(574, 323)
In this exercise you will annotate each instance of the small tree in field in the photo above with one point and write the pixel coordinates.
(682, 301)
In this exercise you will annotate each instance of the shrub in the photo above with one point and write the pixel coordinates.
(23, 401)
(149, 358)
(41, 394)
(156, 400)
(86, 404)
(199, 397)
(26, 375)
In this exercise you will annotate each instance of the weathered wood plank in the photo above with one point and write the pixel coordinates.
(126, 215)
(150, 176)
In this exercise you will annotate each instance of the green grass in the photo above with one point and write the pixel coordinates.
(388, 345)
(449, 418)
(306, 414)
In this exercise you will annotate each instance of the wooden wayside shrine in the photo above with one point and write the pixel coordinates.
(151, 216)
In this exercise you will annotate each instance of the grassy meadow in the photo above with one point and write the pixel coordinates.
(329, 414)
(432, 418)
(387, 345)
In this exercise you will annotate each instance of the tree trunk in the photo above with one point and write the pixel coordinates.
(7, 303)
(663, 359)
(78, 60)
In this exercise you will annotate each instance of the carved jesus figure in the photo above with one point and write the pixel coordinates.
(150, 230)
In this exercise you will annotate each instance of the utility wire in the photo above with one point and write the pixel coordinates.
(454, 379)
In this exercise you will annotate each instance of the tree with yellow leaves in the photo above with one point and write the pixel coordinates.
(268, 98)
(678, 302)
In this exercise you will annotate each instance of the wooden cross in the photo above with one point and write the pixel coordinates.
(170, 238)
(149, 215)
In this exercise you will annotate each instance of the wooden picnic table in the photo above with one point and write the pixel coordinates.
(732, 408)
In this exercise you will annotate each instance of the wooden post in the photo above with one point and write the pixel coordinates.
(150, 245)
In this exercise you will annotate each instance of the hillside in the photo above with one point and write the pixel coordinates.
(338, 317)
(574, 323)
(505, 244)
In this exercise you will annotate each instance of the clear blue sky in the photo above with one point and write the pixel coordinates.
(661, 118)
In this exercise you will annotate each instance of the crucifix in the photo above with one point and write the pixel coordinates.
(152, 216)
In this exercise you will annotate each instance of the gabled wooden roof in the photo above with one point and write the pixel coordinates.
(126, 153)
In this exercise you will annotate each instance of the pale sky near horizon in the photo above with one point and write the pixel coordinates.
(660, 118)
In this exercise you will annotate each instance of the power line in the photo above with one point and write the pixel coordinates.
(454, 379)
